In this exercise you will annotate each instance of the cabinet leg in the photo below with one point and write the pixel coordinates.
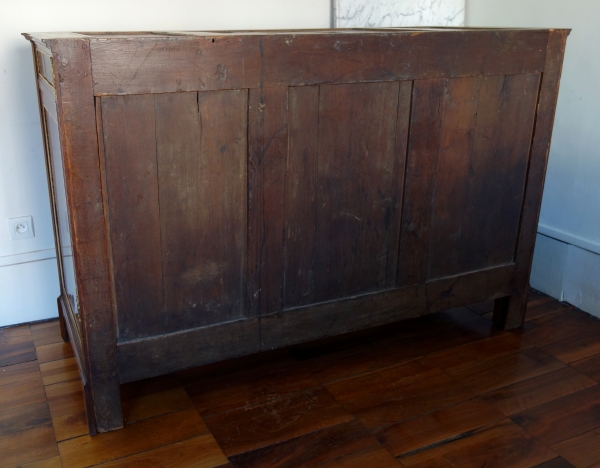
(509, 311)
(62, 321)
(103, 407)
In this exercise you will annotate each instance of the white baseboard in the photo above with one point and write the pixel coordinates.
(567, 272)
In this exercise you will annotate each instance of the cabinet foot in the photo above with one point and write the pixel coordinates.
(509, 311)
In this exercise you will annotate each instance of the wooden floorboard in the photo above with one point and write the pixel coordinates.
(444, 390)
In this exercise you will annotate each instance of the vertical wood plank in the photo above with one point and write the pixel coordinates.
(497, 170)
(510, 312)
(398, 175)
(357, 125)
(131, 178)
(461, 97)
(424, 142)
(201, 151)
(76, 112)
(301, 194)
(267, 150)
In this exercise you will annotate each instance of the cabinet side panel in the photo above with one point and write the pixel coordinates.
(132, 186)
(201, 151)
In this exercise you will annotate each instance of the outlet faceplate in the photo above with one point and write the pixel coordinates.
(21, 228)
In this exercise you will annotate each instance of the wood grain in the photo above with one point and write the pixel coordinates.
(356, 156)
(437, 427)
(424, 141)
(27, 446)
(201, 155)
(21, 394)
(59, 371)
(246, 429)
(133, 438)
(563, 418)
(311, 449)
(16, 346)
(583, 450)
(198, 452)
(179, 63)
(25, 371)
(67, 407)
(537, 390)
(129, 141)
(54, 352)
(498, 445)
(267, 154)
(22, 418)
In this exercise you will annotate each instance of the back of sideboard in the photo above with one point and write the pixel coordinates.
(228, 193)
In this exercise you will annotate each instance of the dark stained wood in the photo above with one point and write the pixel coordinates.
(458, 120)
(392, 401)
(250, 428)
(132, 190)
(128, 65)
(563, 418)
(301, 195)
(343, 316)
(23, 418)
(509, 313)
(424, 141)
(558, 462)
(569, 335)
(589, 366)
(267, 154)
(356, 156)
(248, 385)
(583, 450)
(473, 353)
(500, 444)
(236, 192)
(544, 306)
(438, 427)
(201, 152)
(497, 170)
(537, 390)
(310, 449)
(75, 105)
(506, 370)
(144, 358)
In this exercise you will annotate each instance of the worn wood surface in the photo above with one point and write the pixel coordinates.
(170, 64)
(76, 112)
(307, 405)
(510, 313)
(242, 191)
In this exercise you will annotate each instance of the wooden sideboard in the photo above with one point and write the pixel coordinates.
(221, 193)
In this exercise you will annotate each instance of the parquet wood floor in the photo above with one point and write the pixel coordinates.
(447, 390)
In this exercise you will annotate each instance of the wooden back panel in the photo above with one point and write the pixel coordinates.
(264, 188)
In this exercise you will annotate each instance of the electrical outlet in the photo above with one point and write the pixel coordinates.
(21, 228)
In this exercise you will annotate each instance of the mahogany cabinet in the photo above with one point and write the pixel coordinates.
(221, 193)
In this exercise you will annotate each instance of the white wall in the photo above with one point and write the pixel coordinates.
(571, 205)
(28, 278)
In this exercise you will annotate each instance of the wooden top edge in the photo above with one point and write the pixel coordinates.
(42, 36)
